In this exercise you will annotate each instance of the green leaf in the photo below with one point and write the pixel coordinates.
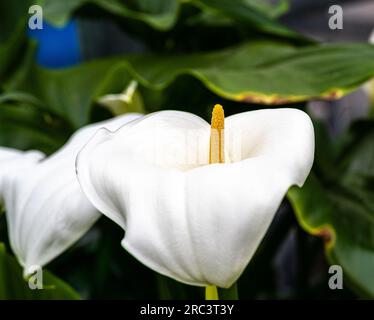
(160, 14)
(9, 50)
(273, 9)
(13, 16)
(70, 93)
(259, 72)
(14, 286)
(163, 14)
(358, 156)
(252, 14)
(340, 208)
(344, 216)
(209, 16)
(265, 72)
(23, 127)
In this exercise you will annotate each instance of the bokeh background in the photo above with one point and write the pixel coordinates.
(51, 81)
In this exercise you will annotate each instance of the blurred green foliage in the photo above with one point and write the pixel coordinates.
(14, 286)
(199, 52)
(337, 203)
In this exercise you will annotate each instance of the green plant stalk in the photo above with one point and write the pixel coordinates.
(214, 293)
(211, 293)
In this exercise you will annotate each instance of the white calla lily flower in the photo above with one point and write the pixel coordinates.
(45, 207)
(184, 215)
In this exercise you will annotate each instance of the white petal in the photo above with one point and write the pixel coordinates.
(46, 209)
(197, 223)
(284, 136)
(12, 160)
(156, 140)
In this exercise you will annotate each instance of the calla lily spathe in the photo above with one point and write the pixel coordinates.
(12, 160)
(45, 207)
(196, 222)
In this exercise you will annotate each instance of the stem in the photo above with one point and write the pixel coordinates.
(211, 293)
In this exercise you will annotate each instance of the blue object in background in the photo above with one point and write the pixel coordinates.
(58, 47)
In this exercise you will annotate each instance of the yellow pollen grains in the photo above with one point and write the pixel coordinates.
(217, 151)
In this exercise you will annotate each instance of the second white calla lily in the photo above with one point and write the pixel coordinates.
(196, 222)
(45, 208)
(12, 160)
